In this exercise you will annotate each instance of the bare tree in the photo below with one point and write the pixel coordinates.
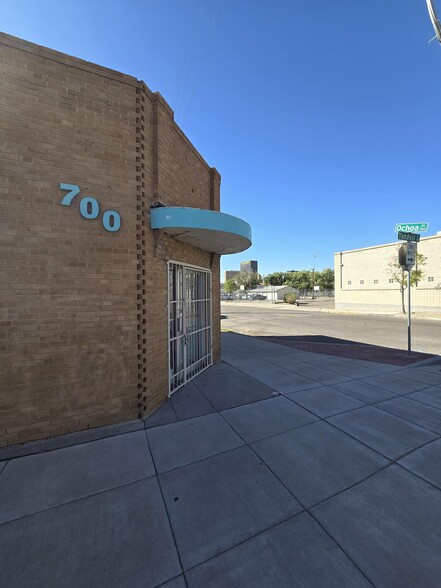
(399, 275)
(246, 279)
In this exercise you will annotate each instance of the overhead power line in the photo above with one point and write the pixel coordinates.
(192, 55)
(202, 62)
(181, 73)
(199, 33)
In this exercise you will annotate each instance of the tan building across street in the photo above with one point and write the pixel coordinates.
(363, 280)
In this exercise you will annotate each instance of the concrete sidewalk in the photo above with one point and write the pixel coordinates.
(275, 468)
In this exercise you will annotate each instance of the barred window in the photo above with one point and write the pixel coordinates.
(349, 282)
(391, 280)
(375, 281)
(430, 279)
(361, 281)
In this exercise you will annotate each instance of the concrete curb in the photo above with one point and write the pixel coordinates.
(307, 308)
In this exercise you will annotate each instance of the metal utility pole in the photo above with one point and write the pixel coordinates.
(313, 272)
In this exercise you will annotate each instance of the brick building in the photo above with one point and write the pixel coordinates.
(109, 250)
(364, 282)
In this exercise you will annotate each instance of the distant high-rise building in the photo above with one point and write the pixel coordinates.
(229, 274)
(249, 266)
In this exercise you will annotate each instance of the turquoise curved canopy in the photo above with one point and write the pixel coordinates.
(209, 230)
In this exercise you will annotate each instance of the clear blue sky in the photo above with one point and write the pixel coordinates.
(323, 117)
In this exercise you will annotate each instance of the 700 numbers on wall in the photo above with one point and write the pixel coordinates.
(90, 208)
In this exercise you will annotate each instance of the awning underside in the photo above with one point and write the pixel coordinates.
(208, 230)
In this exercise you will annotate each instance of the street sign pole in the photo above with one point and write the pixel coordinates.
(409, 336)
(411, 255)
(407, 255)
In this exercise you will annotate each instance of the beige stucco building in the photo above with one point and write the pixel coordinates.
(363, 280)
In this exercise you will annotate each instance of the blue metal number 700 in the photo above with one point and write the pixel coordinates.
(74, 190)
(90, 208)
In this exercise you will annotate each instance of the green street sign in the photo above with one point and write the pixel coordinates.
(408, 236)
(412, 227)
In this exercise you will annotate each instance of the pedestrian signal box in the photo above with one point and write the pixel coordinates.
(407, 255)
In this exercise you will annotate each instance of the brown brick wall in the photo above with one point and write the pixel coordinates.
(68, 286)
(83, 316)
(180, 177)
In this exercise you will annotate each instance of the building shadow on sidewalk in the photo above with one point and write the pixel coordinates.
(349, 349)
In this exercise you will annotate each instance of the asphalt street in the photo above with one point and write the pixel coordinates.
(284, 320)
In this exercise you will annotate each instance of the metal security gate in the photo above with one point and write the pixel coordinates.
(189, 313)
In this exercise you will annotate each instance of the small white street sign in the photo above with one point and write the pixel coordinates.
(411, 254)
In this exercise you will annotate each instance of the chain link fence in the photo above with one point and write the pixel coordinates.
(273, 295)
(305, 294)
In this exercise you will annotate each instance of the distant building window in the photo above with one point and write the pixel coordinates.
(391, 280)
(375, 281)
(361, 281)
(430, 279)
(349, 283)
